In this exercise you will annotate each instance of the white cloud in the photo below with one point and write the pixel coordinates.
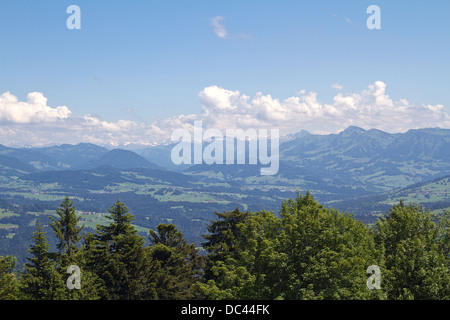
(35, 109)
(218, 27)
(337, 86)
(371, 108)
(34, 123)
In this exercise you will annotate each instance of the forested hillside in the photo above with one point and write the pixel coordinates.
(306, 251)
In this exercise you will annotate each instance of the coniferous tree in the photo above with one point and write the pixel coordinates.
(66, 228)
(68, 233)
(247, 266)
(8, 280)
(222, 237)
(120, 260)
(181, 264)
(40, 280)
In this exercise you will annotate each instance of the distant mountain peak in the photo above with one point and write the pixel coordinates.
(299, 134)
(353, 129)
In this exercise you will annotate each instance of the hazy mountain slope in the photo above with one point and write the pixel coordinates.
(10, 167)
(161, 156)
(372, 158)
(118, 158)
(34, 158)
(74, 155)
(433, 195)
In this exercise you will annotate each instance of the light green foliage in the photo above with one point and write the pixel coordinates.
(416, 253)
(308, 252)
(327, 252)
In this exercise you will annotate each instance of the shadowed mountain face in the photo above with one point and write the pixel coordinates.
(12, 167)
(74, 157)
(122, 159)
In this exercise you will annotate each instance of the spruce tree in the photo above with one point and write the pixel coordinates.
(222, 238)
(180, 262)
(40, 280)
(120, 260)
(66, 228)
(68, 233)
(8, 280)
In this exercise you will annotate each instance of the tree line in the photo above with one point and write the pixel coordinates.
(306, 251)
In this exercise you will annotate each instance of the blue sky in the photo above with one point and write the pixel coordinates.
(145, 60)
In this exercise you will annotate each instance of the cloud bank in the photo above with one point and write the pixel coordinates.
(34, 123)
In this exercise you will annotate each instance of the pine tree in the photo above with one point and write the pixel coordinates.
(119, 258)
(41, 281)
(68, 233)
(8, 280)
(245, 265)
(66, 228)
(180, 262)
(222, 237)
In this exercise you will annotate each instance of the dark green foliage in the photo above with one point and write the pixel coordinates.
(119, 258)
(68, 234)
(65, 228)
(306, 251)
(8, 281)
(40, 280)
(223, 236)
(181, 264)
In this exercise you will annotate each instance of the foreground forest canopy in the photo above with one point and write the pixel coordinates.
(305, 251)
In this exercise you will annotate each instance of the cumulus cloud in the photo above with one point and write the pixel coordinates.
(34, 123)
(35, 109)
(371, 108)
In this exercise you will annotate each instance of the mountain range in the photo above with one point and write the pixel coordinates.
(372, 160)
(356, 170)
